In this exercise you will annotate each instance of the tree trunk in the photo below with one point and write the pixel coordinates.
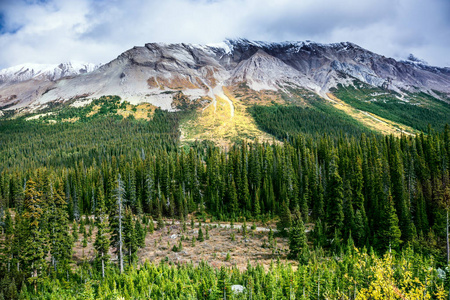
(54, 263)
(35, 280)
(103, 266)
(318, 287)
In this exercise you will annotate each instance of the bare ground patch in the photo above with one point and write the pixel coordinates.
(219, 250)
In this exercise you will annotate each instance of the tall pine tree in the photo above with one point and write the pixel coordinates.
(60, 245)
(297, 235)
(335, 221)
(33, 251)
(388, 233)
(101, 244)
(116, 221)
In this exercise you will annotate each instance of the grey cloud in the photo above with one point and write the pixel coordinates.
(98, 30)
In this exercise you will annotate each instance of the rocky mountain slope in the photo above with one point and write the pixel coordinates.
(21, 85)
(155, 72)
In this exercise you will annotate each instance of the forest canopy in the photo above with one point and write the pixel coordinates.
(372, 200)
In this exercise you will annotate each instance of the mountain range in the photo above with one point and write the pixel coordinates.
(146, 74)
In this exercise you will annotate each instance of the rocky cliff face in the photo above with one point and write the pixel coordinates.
(151, 73)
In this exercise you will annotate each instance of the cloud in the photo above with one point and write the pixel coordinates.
(53, 31)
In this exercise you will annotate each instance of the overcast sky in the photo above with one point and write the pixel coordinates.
(53, 31)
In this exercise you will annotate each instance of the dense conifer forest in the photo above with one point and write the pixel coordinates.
(377, 207)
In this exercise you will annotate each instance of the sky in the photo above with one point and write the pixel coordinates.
(97, 31)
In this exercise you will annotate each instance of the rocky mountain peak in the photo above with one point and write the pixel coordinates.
(151, 72)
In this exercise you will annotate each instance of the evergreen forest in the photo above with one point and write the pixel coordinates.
(365, 215)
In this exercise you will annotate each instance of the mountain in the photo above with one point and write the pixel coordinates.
(22, 85)
(26, 72)
(155, 72)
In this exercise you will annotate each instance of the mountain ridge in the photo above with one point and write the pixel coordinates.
(151, 72)
(51, 72)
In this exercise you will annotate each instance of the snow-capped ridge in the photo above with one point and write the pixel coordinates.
(50, 72)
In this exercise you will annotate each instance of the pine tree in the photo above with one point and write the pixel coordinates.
(9, 226)
(85, 239)
(130, 191)
(297, 236)
(257, 206)
(244, 229)
(335, 220)
(233, 198)
(130, 240)
(82, 228)
(151, 225)
(420, 215)
(270, 238)
(359, 228)
(388, 236)
(200, 235)
(160, 222)
(74, 231)
(116, 221)
(304, 200)
(21, 232)
(184, 228)
(207, 233)
(319, 234)
(361, 223)
(141, 233)
(445, 203)
(244, 192)
(61, 246)
(8, 240)
(398, 195)
(319, 211)
(101, 244)
(33, 250)
(16, 192)
(285, 219)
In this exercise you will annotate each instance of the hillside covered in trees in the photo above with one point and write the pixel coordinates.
(377, 207)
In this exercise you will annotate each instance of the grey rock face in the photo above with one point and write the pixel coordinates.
(145, 74)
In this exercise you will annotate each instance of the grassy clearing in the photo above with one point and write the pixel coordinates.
(104, 106)
(142, 111)
(416, 110)
(216, 123)
(371, 120)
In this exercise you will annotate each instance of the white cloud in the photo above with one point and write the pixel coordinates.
(97, 31)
